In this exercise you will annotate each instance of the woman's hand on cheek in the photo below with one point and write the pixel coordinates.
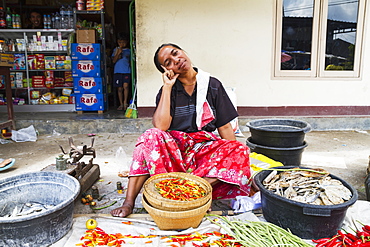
(169, 77)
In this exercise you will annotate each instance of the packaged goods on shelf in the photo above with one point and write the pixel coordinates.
(49, 83)
(31, 61)
(35, 94)
(68, 63)
(58, 82)
(94, 5)
(49, 62)
(68, 76)
(40, 61)
(6, 60)
(19, 79)
(38, 81)
(66, 91)
(59, 64)
(49, 74)
(19, 61)
(21, 44)
(12, 79)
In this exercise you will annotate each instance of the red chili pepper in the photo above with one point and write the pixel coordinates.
(351, 236)
(325, 243)
(367, 227)
(366, 244)
(320, 240)
(337, 244)
(333, 241)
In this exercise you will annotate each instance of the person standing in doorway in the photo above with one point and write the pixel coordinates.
(122, 70)
(36, 20)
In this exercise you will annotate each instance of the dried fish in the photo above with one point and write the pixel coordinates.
(313, 186)
(28, 209)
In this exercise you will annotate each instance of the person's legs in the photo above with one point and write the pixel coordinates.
(125, 95)
(120, 98)
(135, 183)
(118, 83)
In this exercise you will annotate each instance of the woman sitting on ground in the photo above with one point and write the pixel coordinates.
(190, 106)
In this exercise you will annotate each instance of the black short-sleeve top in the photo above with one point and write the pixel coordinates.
(183, 107)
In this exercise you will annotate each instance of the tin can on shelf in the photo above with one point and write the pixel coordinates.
(80, 5)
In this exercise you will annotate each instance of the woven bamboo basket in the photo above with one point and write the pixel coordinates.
(158, 201)
(170, 220)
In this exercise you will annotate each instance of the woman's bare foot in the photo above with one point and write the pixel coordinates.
(5, 162)
(122, 211)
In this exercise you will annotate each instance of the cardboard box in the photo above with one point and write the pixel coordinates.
(6, 60)
(85, 51)
(86, 36)
(90, 102)
(86, 85)
(86, 68)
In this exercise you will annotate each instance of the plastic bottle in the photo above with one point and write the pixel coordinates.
(62, 12)
(49, 21)
(18, 20)
(69, 17)
(2, 18)
(45, 22)
(13, 21)
(52, 21)
(57, 21)
(9, 23)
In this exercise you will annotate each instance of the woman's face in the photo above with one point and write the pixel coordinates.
(174, 59)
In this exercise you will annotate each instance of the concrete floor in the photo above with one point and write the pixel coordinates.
(343, 153)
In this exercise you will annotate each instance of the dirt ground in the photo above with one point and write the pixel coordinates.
(343, 153)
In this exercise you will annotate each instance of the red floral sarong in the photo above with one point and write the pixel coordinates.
(199, 153)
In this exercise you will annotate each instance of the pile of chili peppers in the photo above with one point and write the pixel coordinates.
(223, 240)
(98, 237)
(180, 189)
(341, 239)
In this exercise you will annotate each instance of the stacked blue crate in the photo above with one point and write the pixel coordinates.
(88, 77)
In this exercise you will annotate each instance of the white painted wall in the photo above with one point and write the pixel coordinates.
(233, 40)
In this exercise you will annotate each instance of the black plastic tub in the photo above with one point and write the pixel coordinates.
(278, 132)
(304, 220)
(288, 156)
(37, 229)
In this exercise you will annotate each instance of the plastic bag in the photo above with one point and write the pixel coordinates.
(25, 135)
(243, 204)
(123, 162)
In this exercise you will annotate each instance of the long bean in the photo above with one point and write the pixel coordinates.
(258, 233)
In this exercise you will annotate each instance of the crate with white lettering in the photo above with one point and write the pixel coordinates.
(82, 51)
(88, 85)
(90, 102)
(87, 68)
